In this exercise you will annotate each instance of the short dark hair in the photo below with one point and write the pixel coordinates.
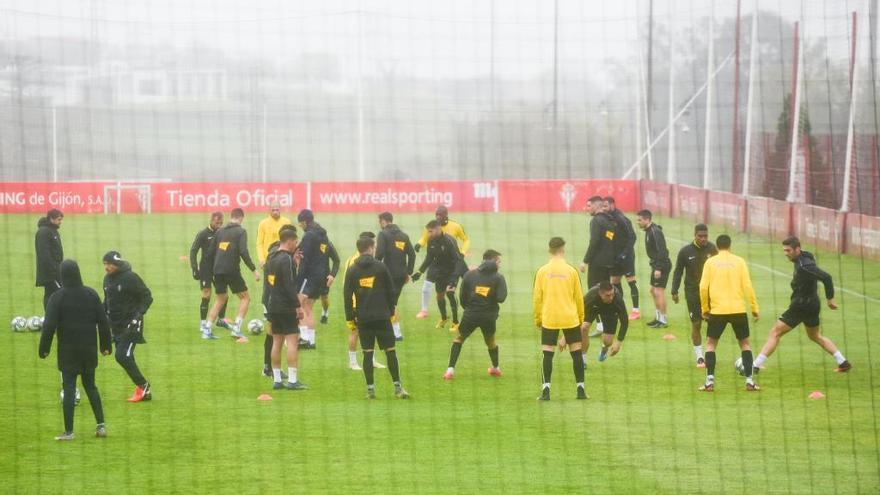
(723, 241)
(367, 234)
(237, 213)
(609, 199)
(490, 254)
(433, 224)
(700, 227)
(54, 213)
(386, 216)
(364, 244)
(593, 199)
(792, 242)
(605, 286)
(287, 227)
(216, 214)
(285, 235)
(442, 210)
(305, 215)
(645, 214)
(556, 243)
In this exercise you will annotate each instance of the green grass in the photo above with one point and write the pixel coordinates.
(646, 429)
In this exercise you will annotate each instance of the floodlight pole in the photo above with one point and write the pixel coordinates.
(671, 176)
(753, 55)
(795, 113)
(54, 144)
(709, 62)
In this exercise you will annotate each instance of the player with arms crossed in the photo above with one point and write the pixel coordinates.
(689, 263)
(804, 307)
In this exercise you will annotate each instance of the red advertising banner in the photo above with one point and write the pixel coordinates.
(563, 196)
(39, 197)
(657, 197)
(818, 226)
(862, 236)
(769, 217)
(727, 209)
(205, 197)
(690, 202)
(404, 197)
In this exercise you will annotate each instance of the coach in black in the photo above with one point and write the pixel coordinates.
(74, 312)
(126, 300)
(661, 265)
(444, 265)
(482, 290)
(689, 262)
(603, 249)
(395, 250)
(47, 244)
(604, 302)
(368, 293)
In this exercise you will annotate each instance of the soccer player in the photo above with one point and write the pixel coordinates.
(75, 311)
(626, 260)
(804, 306)
(445, 265)
(333, 267)
(313, 276)
(203, 270)
(603, 249)
(482, 290)
(268, 231)
(604, 303)
(723, 286)
(689, 262)
(368, 294)
(47, 243)
(230, 248)
(558, 304)
(268, 341)
(456, 231)
(396, 251)
(126, 300)
(661, 265)
(284, 311)
(353, 332)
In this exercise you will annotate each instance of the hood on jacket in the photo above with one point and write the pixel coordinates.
(808, 256)
(365, 260)
(392, 228)
(316, 228)
(488, 267)
(70, 276)
(45, 222)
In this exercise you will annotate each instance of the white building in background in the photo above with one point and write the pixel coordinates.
(120, 85)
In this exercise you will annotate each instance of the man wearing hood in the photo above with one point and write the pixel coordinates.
(396, 251)
(314, 274)
(47, 244)
(482, 290)
(804, 307)
(126, 300)
(452, 228)
(74, 312)
(368, 295)
(661, 265)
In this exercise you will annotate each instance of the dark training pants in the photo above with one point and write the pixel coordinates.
(69, 387)
(48, 290)
(125, 357)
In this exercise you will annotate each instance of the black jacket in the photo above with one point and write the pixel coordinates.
(281, 280)
(230, 245)
(804, 284)
(595, 307)
(369, 281)
(332, 259)
(74, 312)
(655, 246)
(482, 290)
(47, 244)
(273, 248)
(442, 256)
(625, 230)
(692, 259)
(605, 243)
(126, 298)
(202, 242)
(315, 247)
(394, 248)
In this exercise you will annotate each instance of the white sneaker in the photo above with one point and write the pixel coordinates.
(378, 365)
(355, 367)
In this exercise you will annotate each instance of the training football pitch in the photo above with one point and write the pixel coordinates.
(645, 429)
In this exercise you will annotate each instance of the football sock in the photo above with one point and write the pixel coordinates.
(548, 366)
(393, 365)
(838, 356)
(222, 313)
(326, 312)
(759, 361)
(352, 357)
(662, 318)
(634, 293)
(427, 288)
(493, 355)
(203, 308)
(267, 351)
(441, 304)
(698, 351)
(453, 354)
(238, 323)
(619, 288)
(710, 363)
(657, 315)
(454, 305)
(276, 375)
(577, 364)
(396, 327)
(368, 367)
(291, 374)
(747, 363)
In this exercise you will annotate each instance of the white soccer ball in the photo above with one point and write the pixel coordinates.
(19, 324)
(35, 323)
(738, 366)
(255, 327)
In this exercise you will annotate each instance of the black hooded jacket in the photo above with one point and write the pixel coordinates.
(47, 244)
(394, 248)
(482, 290)
(203, 242)
(804, 284)
(230, 245)
(74, 312)
(315, 247)
(280, 280)
(369, 281)
(606, 242)
(655, 246)
(443, 256)
(126, 297)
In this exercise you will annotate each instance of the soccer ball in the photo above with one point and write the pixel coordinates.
(35, 323)
(19, 324)
(738, 366)
(255, 327)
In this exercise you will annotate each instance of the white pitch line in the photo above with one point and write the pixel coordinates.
(788, 275)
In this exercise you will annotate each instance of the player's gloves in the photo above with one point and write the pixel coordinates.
(133, 324)
(417, 275)
(351, 325)
(195, 275)
(417, 247)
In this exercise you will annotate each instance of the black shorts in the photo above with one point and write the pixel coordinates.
(551, 337)
(324, 291)
(233, 282)
(398, 282)
(441, 280)
(284, 323)
(313, 287)
(206, 278)
(663, 279)
(808, 314)
(625, 267)
(717, 323)
(695, 311)
(372, 332)
(609, 321)
(469, 324)
(596, 274)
